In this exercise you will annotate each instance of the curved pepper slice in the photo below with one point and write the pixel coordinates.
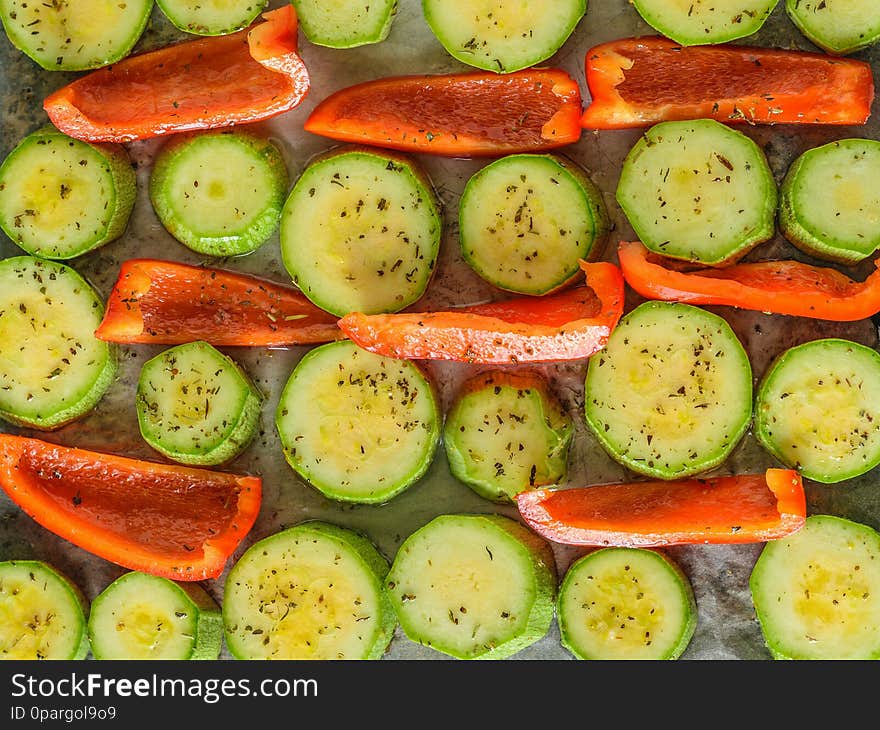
(637, 82)
(570, 325)
(722, 510)
(168, 303)
(169, 520)
(457, 115)
(777, 287)
(211, 82)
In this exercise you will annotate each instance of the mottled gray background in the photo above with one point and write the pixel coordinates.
(727, 628)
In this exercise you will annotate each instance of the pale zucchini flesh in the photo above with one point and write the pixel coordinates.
(211, 17)
(345, 23)
(695, 22)
(698, 191)
(817, 592)
(837, 26)
(671, 394)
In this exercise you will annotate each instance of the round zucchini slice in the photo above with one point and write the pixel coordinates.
(196, 405)
(313, 591)
(818, 408)
(345, 23)
(698, 191)
(837, 26)
(696, 22)
(219, 193)
(211, 17)
(817, 592)
(358, 427)
(42, 613)
(505, 433)
(830, 201)
(525, 221)
(143, 616)
(626, 603)
(53, 369)
(61, 197)
(75, 36)
(474, 586)
(503, 36)
(360, 232)
(670, 396)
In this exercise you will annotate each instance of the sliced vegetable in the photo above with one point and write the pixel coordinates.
(473, 586)
(169, 303)
(671, 394)
(507, 432)
(211, 17)
(345, 23)
(837, 26)
(75, 36)
(570, 325)
(695, 23)
(457, 115)
(313, 591)
(829, 201)
(202, 84)
(637, 82)
(818, 407)
(196, 405)
(173, 521)
(61, 197)
(526, 221)
(42, 613)
(626, 603)
(720, 510)
(698, 191)
(52, 368)
(357, 426)
(817, 593)
(503, 36)
(143, 616)
(219, 193)
(378, 222)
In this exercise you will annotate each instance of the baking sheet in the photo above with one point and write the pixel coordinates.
(727, 628)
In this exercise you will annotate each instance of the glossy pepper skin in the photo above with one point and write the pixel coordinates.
(456, 115)
(168, 520)
(207, 83)
(638, 82)
(777, 287)
(722, 510)
(569, 325)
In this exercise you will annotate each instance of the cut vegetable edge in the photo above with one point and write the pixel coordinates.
(358, 31)
(211, 18)
(673, 22)
(864, 32)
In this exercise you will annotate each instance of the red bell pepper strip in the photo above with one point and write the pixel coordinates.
(637, 82)
(211, 82)
(722, 510)
(776, 287)
(168, 520)
(457, 115)
(570, 325)
(168, 303)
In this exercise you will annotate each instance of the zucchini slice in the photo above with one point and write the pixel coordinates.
(474, 586)
(839, 27)
(671, 394)
(313, 591)
(77, 35)
(506, 432)
(818, 407)
(42, 613)
(359, 427)
(345, 23)
(219, 193)
(830, 201)
(360, 232)
(525, 221)
(503, 36)
(196, 405)
(817, 592)
(699, 191)
(143, 616)
(626, 603)
(53, 369)
(211, 17)
(61, 197)
(696, 22)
